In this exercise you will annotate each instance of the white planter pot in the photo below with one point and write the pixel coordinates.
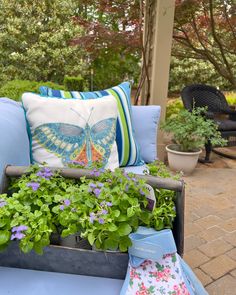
(182, 161)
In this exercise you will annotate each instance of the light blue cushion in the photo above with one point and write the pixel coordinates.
(145, 123)
(14, 142)
(136, 169)
(30, 282)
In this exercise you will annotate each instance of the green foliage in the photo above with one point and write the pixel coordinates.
(186, 71)
(191, 130)
(104, 210)
(164, 212)
(74, 83)
(173, 107)
(231, 98)
(15, 88)
(35, 38)
(112, 68)
(204, 31)
(158, 168)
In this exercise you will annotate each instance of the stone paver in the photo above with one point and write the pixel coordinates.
(210, 226)
(232, 254)
(195, 258)
(229, 225)
(219, 266)
(215, 248)
(212, 233)
(208, 221)
(231, 238)
(223, 286)
(192, 242)
(202, 276)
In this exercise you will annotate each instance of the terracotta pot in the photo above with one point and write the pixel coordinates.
(182, 161)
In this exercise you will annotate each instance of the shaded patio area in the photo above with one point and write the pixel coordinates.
(210, 225)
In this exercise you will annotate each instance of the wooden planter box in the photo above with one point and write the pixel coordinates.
(80, 261)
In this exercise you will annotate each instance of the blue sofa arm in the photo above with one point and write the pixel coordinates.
(145, 122)
(14, 142)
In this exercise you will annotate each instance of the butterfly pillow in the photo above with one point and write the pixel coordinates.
(128, 147)
(63, 130)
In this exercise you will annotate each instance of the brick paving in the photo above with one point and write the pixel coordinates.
(210, 226)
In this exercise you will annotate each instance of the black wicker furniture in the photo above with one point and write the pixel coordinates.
(200, 95)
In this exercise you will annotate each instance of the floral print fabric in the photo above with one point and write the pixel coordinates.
(162, 277)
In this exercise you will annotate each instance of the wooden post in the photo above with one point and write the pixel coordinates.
(158, 54)
(161, 61)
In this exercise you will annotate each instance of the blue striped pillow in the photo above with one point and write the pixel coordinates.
(128, 148)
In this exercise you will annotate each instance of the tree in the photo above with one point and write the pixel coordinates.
(206, 30)
(111, 39)
(35, 37)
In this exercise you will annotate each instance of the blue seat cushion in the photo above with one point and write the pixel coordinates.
(14, 141)
(17, 281)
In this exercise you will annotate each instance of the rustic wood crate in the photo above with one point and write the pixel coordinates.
(86, 262)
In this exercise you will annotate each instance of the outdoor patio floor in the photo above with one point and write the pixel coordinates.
(210, 225)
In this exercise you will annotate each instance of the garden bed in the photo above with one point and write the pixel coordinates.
(81, 261)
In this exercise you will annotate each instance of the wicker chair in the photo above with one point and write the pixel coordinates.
(218, 110)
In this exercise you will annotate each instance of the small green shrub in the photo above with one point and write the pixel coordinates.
(15, 88)
(173, 107)
(231, 98)
(74, 83)
(191, 130)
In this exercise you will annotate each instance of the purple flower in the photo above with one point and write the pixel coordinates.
(62, 207)
(104, 212)
(40, 174)
(2, 203)
(101, 220)
(18, 236)
(103, 203)
(67, 202)
(33, 185)
(126, 187)
(45, 173)
(100, 184)
(92, 185)
(134, 179)
(92, 217)
(95, 173)
(97, 192)
(142, 192)
(19, 228)
(109, 204)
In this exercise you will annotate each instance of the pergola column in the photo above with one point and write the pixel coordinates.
(159, 54)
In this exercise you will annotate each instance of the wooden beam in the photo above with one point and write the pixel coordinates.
(161, 60)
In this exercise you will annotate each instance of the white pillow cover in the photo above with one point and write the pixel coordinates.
(64, 130)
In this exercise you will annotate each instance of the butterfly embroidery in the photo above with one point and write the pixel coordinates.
(75, 143)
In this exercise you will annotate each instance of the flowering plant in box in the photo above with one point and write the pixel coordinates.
(104, 209)
(27, 215)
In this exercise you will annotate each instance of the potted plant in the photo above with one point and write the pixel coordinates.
(103, 210)
(190, 130)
